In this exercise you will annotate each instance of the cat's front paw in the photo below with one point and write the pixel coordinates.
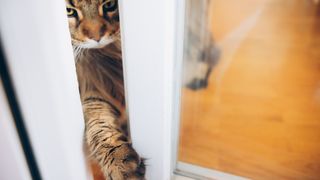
(125, 164)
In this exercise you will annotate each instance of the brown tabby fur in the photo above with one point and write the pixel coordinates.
(101, 86)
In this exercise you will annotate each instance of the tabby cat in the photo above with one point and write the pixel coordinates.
(95, 34)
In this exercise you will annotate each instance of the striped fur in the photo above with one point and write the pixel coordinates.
(100, 77)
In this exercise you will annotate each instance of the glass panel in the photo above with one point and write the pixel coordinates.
(250, 104)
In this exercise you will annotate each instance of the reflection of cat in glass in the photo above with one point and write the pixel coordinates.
(200, 52)
(95, 33)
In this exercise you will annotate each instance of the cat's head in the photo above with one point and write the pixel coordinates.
(93, 23)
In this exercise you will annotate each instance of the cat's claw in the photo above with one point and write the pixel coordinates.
(125, 164)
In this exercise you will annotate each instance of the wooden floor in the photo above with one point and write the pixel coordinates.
(260, 115)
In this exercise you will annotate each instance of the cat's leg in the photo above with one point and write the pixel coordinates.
(197, 69)
(108, 144)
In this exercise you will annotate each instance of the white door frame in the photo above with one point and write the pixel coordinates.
(13, 163)
(37, 46)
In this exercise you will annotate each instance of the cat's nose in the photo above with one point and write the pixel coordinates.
(96, 38)
(94, 32)
(91, 34)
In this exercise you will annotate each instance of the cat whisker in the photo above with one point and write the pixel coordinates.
(77, 51)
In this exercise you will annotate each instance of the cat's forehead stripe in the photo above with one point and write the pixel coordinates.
(71, 3)
(75, 3)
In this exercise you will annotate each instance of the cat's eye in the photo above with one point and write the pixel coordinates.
(71, 12)
(109, 5)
